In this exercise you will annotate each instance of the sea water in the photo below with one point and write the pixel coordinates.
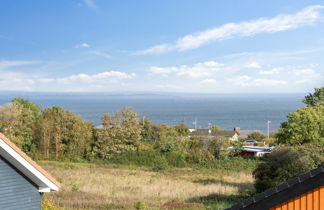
(247, 111)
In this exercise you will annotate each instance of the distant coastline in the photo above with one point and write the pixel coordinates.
(248, 111)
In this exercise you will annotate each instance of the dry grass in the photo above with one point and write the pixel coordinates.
(90, 186)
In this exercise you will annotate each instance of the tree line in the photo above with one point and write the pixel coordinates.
(55, 133)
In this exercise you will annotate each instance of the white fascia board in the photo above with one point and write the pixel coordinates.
(44, 189)
(25, 167)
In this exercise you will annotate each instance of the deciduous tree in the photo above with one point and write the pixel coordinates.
(121, 133)
(303, 126)
(316, 98)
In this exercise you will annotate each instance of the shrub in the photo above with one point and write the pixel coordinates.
(167, 142)
(49, 205)
(141, 158)
(75, 187)
(198, 156)
(140, 206)
(176, 159)
(313, 150)
(281, 165)
(270, 141)
(218, 147)
(160, 163)
(256, 135)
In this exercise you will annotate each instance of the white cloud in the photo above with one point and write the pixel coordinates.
(168, 86)
(208, 81)
(82, 45)
(90, 3)
(271, 72)
(253, 65)
(247, 81)
(198, 70)
(101, 54)
(111, 76)
(162, 48)
(14, 80)
(305, 72)
(268, 82)
(281, 22)
(13, 63)
(240, 80)
(308, 76)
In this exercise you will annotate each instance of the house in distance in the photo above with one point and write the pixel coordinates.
(231, 135)
(22, 180)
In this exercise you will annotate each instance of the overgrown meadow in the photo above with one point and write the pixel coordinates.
(129, 163)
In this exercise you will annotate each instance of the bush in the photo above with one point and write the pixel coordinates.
(313, 150)
(282, 164)
(48, 205)
(167, 142)
(140, 206)
(140, 158)
(176, 159)
(256, 136)
(198, 156)
(218, 147)
(160, 163)
(151, 158)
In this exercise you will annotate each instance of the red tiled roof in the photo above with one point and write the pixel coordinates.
(29, 160)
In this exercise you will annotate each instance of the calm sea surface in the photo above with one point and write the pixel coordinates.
(248, 111)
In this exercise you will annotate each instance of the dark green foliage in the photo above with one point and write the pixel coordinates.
(140, 158)
(218, 147)
(198, 156)
(176, 159)
(148, 130)
(18, 120)
(121, 133)
(181, 129)
(29, 107)
(167, 141)
(316, 98)
(160, 163)
(149, 158)
(256, 136)
(303, 126)
(282, 164)
(140, 206)
(63, 134)
(313, 150)
(216, 128)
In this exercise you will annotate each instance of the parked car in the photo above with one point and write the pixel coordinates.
(250, 141)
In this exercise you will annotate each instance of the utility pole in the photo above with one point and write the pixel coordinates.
(143, 120)
(195, 123)
(209, 128)
(269, 128)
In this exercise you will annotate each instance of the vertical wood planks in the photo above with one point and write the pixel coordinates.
(313, 200)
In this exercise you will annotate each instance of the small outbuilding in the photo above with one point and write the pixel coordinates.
(22, 180)
(305, 192)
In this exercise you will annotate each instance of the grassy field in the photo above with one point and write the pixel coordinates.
(108, 186)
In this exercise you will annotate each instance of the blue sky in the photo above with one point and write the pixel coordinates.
(170, 46)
